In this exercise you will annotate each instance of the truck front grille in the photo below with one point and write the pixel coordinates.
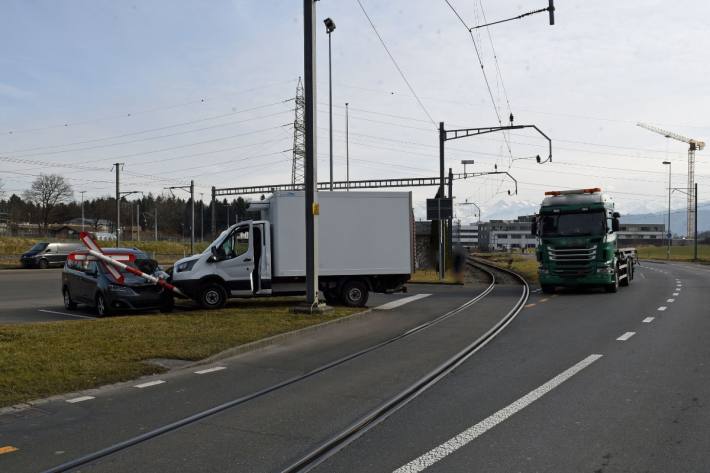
(572, 261)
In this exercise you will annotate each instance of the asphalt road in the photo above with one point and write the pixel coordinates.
(580, 381)
(33, 295)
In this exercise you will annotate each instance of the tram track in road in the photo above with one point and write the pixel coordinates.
(186, 421)
(355, 430)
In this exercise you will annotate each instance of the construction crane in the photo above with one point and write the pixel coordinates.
(694, 145)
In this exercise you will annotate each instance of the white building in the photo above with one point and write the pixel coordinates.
(465, 235)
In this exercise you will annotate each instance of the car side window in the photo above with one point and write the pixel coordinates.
(237, 243)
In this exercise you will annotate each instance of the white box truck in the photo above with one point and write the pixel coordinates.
(365, 244)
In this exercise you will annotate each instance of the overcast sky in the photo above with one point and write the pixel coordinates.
(179, 90)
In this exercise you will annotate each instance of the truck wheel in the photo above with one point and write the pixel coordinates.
(43, 264)
(212, 296)
(354, 293)
(546, 289)
(613, 287)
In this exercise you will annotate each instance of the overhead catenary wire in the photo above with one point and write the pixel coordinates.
(394, 61)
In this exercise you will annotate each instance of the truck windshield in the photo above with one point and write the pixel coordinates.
(573, 224)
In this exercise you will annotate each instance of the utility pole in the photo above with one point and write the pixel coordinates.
(695, 225)
(450, 233)
(155, 223)
(442, 140)
(214, 212)
(82, 210)
(669, 234)
(202, 217)
(311, 169)
(138, 219)
(191, 190)
(347, 149)
(118, 204)
(329, 28)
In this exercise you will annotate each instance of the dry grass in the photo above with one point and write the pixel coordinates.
(526, 266)
(43, 359)
(431, 277)
(678, 253)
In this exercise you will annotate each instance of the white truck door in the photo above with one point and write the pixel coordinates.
(238, 261)
(262, 258)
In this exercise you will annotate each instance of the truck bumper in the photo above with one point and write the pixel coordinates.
(593, 279)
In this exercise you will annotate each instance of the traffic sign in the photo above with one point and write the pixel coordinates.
(439, 209)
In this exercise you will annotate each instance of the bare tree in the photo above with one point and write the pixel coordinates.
(46, 192)
(2, 189)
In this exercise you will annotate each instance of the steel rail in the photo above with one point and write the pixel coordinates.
(90, 457)
(337, 442)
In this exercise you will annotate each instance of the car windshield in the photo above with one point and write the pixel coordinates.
(573, 224)
(39, 246)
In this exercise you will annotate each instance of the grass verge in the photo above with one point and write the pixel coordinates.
(678, 253)
(430, 276)
(43, 359)
(526, 266)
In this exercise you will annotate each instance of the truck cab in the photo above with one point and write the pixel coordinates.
(577, 242)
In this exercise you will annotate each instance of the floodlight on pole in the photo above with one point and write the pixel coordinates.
(329, 28)
(669, 234)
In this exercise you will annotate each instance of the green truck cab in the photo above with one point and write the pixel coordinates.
(577, 242)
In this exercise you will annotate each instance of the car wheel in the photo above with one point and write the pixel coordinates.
(102, 308)
(213, 296)
(43, 264)
(354, 293)
(69, 304)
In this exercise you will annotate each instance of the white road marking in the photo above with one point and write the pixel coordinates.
(64, 313)
(475, 431)
(676, 293)
(662, 308)
(149, 383)
(626, 336)
(211, 370)
(80, 399)
(402, 301)
(670, 300)
(643, 275)
(648, 320)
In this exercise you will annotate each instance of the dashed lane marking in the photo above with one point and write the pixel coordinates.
(676, 293)
(64, 313)
(475, 431)
(626, 336)
(80, 399)
(544, 300)
(211, 370)
(527, 306)
(648, 320)
(662, 308)
(402, 301)
(670, 300)
(149, 384)
(8, 449)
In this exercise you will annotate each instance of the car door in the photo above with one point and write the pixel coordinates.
(86, 282)
(262, 258)
(50, 254)
(236, 262)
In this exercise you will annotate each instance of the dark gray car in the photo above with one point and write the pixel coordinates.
(45, 254)
(88, 282)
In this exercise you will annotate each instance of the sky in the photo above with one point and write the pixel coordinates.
(181, 90)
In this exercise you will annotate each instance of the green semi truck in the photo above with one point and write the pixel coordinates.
(577, 242)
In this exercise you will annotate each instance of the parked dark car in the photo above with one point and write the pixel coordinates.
(44, 254)
(88, 282)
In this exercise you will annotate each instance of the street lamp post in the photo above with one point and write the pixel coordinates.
(669, 234)
(347, 149)
(82, 210)
(329, 28)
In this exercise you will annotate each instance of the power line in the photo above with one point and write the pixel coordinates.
(141, 132)
(401, 73)
(139, 112)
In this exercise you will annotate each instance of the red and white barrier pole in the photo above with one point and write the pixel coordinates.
(111, 264)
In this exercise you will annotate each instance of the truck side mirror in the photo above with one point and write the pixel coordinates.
(615, 223)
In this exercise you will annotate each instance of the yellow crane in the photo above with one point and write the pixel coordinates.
(694, 145)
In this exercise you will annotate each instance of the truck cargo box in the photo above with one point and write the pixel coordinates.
(359, 233)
